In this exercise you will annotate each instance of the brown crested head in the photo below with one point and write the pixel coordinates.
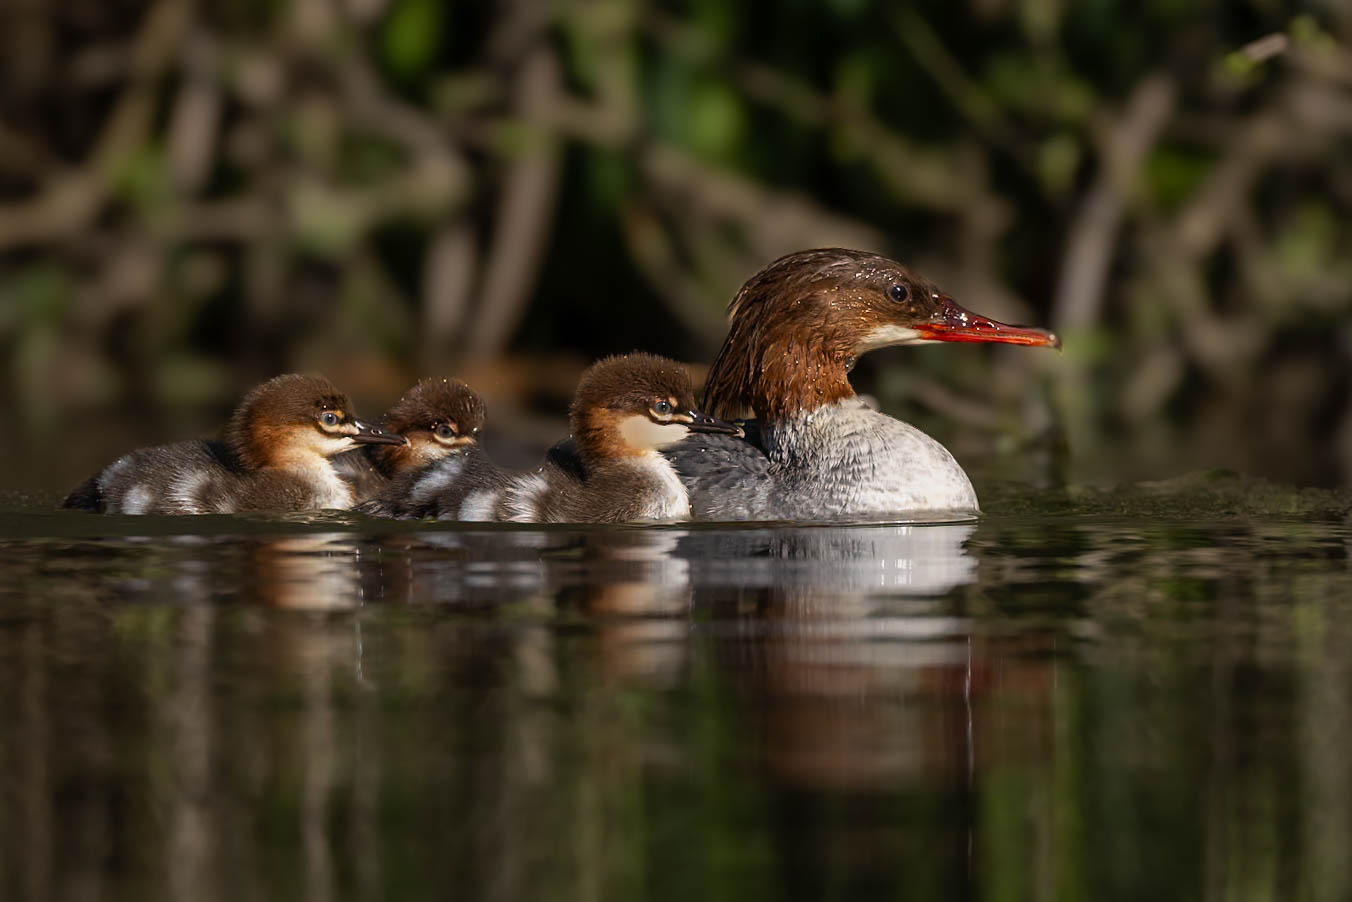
(294, 416)
(437, 417)
(799, 324)
(636, 403)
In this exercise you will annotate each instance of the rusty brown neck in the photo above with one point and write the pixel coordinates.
(598, 438)
(782, 379)
(257, 447)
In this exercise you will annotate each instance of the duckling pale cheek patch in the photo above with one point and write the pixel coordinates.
(336, 445)
(426, 450)
(642, 433)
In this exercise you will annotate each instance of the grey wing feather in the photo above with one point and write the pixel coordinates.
(728, 478)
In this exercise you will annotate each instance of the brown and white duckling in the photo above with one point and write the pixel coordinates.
(437, 417)
(625, 411)
(274, 456)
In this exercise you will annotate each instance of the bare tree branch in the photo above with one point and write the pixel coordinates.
(1093, 231)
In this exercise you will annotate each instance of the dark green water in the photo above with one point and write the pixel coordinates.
(1134, 695)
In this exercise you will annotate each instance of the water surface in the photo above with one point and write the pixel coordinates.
(1134, 695)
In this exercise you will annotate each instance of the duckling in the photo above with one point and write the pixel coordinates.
(274, 456)
(626, 409)
(437, 417)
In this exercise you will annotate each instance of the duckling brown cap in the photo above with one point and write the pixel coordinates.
(631, 382)
(282, 401)
(433, 401)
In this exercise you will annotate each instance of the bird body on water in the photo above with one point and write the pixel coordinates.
(437, 418)
(816, 451)
(274, 457)
(626, 409)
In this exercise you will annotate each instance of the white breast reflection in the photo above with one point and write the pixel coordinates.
(651, 571)
(905, 560)
(853, 633)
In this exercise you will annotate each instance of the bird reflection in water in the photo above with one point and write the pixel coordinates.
(477, 567)
(833, 635)
(852, 663)
(634, 588)
(310, 572)
(545, 666)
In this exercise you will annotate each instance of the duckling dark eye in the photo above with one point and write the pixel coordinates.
(328, 418)
(898, 292)
(444, 430)
(662, 407)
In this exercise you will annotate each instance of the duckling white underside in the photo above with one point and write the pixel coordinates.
(659, 494)
(637, 488)
(670, 500)
(479, 505)
(552, 496)
(521, 501)
(330, 491)
(840, 460)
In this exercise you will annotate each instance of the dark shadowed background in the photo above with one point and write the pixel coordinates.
(196, 196)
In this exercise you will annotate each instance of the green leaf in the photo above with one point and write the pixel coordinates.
(411, 36)
(716, 121)
(1058, 160)
(1172, 174)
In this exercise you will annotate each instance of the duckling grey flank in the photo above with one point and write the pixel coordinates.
(626, 409)
(437, 417)
(274, 457)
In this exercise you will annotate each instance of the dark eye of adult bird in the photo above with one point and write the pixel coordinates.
(898, 292)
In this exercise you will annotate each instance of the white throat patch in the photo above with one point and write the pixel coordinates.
(643, 434)
(886, 336)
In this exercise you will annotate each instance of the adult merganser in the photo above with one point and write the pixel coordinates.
(817, 451)
(626, 409)
(274, 457)
(437, 417)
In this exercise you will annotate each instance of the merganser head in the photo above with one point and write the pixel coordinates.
(635, 404)
(437, 417)
(799, 324)
(292, 417)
